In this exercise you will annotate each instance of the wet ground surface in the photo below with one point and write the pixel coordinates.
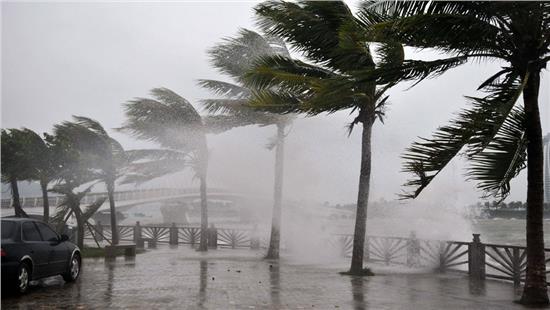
(181, 278)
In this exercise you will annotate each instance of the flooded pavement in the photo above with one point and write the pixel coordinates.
(181, 278)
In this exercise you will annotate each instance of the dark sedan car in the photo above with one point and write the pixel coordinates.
(32, 250)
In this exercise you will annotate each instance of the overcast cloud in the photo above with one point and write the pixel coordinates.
(63, 59)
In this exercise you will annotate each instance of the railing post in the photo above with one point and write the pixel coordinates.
(255, 239)
(442, 256)
(516, 266)
(413, 250)
(99, 229)
(137, 233)
(366, 253)
(476, 259)
(173, 234)
(212, 237)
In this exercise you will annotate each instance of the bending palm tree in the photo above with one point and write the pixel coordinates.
(16, 162)
(105, 154)
(172, 122)
(499, 135)
(235, 57)
(328, 34)
(75, 170)
(42, 163)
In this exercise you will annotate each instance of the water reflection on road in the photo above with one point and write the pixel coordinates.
(358, 292)
(181, 278)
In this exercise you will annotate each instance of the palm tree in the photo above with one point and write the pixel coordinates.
(42, 165)
(235, 57)
(172, 122)
(328, 34)
(15, 164)
(500, 136)
(103, 152)
(75, 170)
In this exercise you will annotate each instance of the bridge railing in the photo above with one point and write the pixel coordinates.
(217, 237)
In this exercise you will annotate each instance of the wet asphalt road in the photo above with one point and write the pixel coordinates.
(181, 278)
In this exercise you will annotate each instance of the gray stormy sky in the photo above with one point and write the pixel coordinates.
(60, 59)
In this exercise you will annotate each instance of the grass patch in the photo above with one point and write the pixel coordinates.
(91, 252)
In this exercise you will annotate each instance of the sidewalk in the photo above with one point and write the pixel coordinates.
(181, 278)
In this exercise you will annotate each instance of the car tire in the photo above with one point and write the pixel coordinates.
(74, 269)
(23, 278)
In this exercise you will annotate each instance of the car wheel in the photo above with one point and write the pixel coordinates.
(74, 269)
(23, 278)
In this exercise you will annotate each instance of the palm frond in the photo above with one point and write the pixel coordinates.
(223, 122)
(90, 210)
(156, 154)
(225, 89)
(227, 106)
(169, 120)
(474, 129)
(157, 166)
(58, 219)
(284, 72)
(503, 158)
(313, 28)
(90, 124)
(279, 102)
(416, 70)
(236, 55)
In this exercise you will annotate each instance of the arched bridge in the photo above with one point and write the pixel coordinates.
(126, 199)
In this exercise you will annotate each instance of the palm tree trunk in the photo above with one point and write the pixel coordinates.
(203, 246)
(114, 227)
(362, 199)
(45, 201)
(16, 199)
(535, 291)
(203, 168)
(275, 239)
(79, 224)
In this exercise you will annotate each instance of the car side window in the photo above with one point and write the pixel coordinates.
(30, 232)
(47, 233)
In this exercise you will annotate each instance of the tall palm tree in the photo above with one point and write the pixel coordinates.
(16, 160)
(328, 35)
(500, 136)
(235, 57)
(103, 152)
(173, 123)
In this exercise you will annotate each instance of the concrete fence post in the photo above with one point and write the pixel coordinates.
(366, 253)
(413, 250)
(212, 237)
(476, 259)
(516, 266)
(137, 233)
(173, 234)
(255, 238)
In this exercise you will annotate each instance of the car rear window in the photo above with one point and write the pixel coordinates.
(8, 230)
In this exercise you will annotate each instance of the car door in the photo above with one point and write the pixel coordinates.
(38, 250)
(58, 254)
